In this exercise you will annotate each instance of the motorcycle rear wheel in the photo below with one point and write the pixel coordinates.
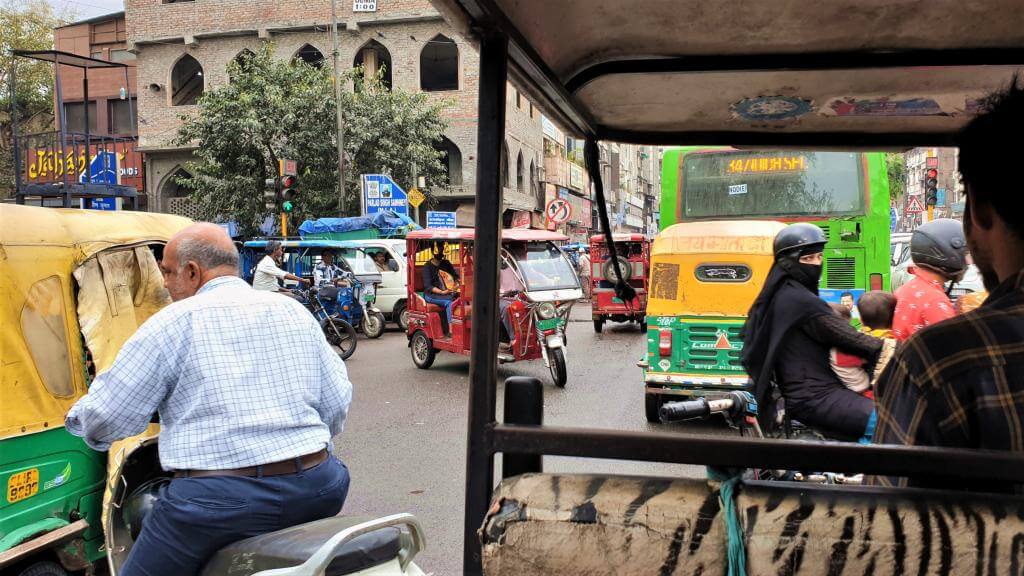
(340, 335)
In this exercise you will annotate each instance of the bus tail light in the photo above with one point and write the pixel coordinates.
(665, 342)
(875, 281)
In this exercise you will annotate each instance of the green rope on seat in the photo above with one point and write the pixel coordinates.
(737, 554)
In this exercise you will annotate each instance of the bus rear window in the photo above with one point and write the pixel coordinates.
(757, 184)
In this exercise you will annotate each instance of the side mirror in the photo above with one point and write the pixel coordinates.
(392, 265)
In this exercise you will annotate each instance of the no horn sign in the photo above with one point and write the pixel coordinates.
(558, 210)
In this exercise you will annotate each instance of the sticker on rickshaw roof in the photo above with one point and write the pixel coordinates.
(767, 108)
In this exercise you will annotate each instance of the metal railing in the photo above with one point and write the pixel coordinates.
(51, 157)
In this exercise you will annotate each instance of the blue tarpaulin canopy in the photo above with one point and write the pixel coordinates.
(385, 223)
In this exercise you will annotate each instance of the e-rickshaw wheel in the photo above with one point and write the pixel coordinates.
(598, 324)
(643, 325)
(44, 569)
(652, 408)
(341, 335)
(373, 324)
(556, 364)
(423, 352)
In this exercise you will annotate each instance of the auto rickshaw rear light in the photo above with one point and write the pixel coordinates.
(875, 281)
(665, 342)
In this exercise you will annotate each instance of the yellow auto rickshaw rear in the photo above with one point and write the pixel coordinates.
(74, 285)
(704, 277)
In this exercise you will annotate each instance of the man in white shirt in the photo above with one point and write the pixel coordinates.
(267, 271)
(247, 414)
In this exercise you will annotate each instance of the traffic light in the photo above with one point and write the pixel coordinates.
(270, 194)
(288, 186)
(931, 183)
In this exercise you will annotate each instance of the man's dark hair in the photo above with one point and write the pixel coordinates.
(877, 309)
(845, 294)
(988, 156)
(841, 310)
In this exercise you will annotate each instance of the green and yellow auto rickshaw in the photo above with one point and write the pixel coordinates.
(704, 277)
(74, 285)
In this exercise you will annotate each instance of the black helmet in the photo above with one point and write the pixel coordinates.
(940, 246)
(799, 239)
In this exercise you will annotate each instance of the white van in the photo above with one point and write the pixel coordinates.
(391, 292)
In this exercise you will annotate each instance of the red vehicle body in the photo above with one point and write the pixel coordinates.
(634, 253)
(533, 337)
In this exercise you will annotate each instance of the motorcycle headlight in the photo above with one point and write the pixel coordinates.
(546, 310)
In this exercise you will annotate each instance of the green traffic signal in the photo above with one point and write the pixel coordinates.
(287, 206)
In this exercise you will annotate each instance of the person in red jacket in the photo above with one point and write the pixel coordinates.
(939, 251)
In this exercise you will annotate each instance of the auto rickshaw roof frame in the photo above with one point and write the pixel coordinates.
(903, 46)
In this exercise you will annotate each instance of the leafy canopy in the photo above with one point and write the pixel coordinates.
(275, 109)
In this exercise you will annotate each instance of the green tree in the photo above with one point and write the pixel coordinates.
(25, 25)
(275, 109)
(896, 167)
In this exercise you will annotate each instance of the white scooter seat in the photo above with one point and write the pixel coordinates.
(293, 546)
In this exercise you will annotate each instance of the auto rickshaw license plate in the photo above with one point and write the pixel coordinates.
(549, 324)
(22, 485)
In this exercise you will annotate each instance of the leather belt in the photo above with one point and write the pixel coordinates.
(289, 466)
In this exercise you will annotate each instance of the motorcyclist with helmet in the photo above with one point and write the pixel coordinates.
(787, 338)
(938, 250)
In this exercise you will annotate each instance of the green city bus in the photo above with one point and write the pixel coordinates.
(720, 207)
(845, 193)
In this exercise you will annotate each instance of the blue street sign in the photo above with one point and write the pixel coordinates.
(102, 170)
(440, 219)
(382, 194)
(893, 219)
(109, 204)
(940, 197)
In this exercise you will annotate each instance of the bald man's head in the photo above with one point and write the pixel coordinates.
(196, 255)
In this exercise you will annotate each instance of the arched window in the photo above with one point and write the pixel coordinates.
(244, 58)
(451, 159)
(439, 65)
(520, 175)
(310, 55)
(373, 57)
(186, 81)
(504, 164)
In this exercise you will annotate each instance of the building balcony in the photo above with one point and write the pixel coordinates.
(77, 165)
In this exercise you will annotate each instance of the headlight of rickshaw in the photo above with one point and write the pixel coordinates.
(546, 310)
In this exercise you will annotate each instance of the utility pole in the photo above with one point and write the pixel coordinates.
(337, 105)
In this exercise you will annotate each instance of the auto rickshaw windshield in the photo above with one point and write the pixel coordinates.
(544, 267)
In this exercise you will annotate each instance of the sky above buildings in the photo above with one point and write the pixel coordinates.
(83, 9)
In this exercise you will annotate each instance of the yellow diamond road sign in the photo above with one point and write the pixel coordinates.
(416, 197)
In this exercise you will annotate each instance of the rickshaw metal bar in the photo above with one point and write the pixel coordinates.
(832, 139)
(483, 372)
(527, 61)
(524, 404)
(736, 452)
(19, 198)
(812, 61)
(591, 154)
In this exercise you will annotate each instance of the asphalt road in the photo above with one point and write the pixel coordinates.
(405, 440)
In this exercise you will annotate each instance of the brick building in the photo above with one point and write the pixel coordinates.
(184, 46)
(108, 96)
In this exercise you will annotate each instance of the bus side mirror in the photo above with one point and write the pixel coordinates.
(392, 265)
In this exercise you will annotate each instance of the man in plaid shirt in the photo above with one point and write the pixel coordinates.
(249, 395)
(960, 383)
